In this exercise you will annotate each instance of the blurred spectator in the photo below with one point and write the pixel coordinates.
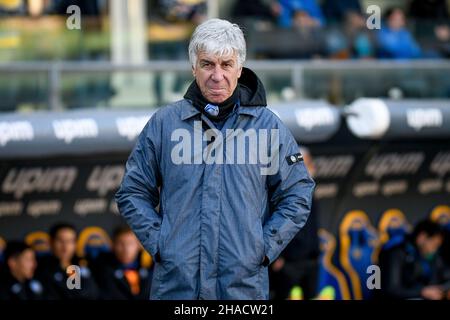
(440, 46)
(52, 270)
(120, 274)
(436, 10)
(2, 253)
(37, 7)
(18, 282)
(338, 11)
(445, 250)
(394, 40)
(184, 10)
(432, 26)
(300, 14)
(413, 269)
(87, 7)
(12, 7)
(360, 38)
(258, 9)
(351, 39)
(298, 264)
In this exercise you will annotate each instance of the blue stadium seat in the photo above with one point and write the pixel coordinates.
(92, 241)
(39, 241)
(393, 228)
(146, 259)
(358, 241)
(441, 215)
(329, 274)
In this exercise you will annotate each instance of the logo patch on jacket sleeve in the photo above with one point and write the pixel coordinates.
(292, 159)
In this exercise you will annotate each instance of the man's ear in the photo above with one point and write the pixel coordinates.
(240, 72)
(193, 71)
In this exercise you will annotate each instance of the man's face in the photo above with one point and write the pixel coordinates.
(427, 245)
(397, 20)
(216, 76)
(23, 265)
(126, 248)
(64, 244)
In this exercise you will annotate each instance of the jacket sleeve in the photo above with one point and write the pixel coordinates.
(138, 195)
(290, 195)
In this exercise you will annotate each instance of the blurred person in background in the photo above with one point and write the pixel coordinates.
(17, 281)
(120, 274)
(445, 250)
(52, 270)
(184, 10)
(263, 10)
(360, 38)
(394, 40)
(302, 14)
(299, 262)
(13, 8)
(414, 269)
(338, 11)
(432, 10)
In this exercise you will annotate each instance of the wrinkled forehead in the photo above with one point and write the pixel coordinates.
(218, 56)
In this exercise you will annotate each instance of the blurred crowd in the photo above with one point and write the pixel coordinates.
(294, 28)
(413, 266)
(122, 273)
(417, 29)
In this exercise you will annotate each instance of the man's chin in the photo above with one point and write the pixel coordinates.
(216, 99)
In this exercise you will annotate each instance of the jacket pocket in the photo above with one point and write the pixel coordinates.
(260, 244)
(160, 244)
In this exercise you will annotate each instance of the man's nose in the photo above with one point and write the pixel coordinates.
(217, 74)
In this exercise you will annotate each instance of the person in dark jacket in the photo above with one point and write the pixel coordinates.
(18, 282)
(120, 274)
(299, 262)
(54, 270)
(227, 175)
(394, 40)
(432, 26)
(337, 11)
(414, 269)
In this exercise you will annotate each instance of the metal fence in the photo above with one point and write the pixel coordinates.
(305, 78)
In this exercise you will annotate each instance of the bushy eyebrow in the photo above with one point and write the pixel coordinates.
(205, 61)
(212, 62)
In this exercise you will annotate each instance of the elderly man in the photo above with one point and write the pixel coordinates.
(228, 177)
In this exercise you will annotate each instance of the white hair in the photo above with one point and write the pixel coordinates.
(219, 37)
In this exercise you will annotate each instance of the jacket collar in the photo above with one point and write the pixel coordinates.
(189, 111)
